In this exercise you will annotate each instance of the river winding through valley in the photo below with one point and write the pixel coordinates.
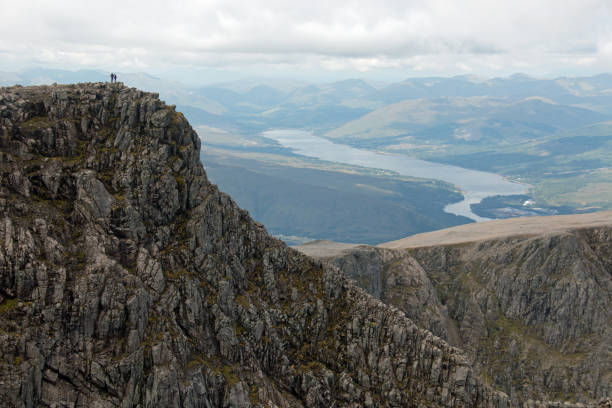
(474, 185)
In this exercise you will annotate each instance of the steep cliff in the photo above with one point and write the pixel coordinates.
(533, 313)
(127, 279)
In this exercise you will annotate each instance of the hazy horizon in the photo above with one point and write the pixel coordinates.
(195, 77)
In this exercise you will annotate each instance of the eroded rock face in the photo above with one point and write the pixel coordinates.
(532, 314)
(127, 279)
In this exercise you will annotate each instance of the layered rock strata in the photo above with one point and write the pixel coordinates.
(127, 279)
(533, 313)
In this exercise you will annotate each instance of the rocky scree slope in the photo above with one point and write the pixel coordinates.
(127, 279)
(533, 314)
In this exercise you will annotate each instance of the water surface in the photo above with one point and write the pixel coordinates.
(474, 185)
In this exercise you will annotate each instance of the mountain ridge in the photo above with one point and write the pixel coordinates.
(129, 280)
(520, 226)
(531, 307)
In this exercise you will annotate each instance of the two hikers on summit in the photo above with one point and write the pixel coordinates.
(113, 78)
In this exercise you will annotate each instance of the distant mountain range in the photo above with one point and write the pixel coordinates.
(264, 98)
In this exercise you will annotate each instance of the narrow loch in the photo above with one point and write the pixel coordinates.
(473, 184)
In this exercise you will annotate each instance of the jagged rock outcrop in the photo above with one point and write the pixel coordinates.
(127, 279)
(533, 313)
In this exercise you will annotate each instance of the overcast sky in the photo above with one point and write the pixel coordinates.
(338, 38)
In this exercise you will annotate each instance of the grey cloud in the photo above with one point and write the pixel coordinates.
(360, 35)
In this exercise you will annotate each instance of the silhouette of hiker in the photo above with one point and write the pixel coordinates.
(115, 77)
(112, 77)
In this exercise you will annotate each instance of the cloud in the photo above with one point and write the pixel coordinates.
(437, 36)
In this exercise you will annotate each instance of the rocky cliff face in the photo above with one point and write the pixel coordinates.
(127, 279)
(533, 314)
